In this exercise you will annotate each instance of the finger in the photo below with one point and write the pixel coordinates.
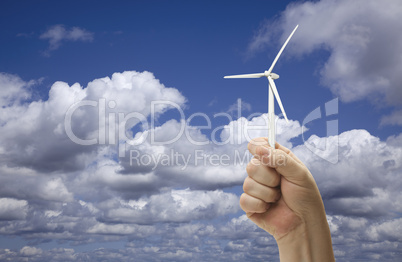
(263, 174)
(253, 205)
(263, 141)
(256, 142)
(287, 151)
(255, 189)
(284, 164)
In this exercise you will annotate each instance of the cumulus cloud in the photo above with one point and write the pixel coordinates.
(364, 180)
(28, 251)
(390, 230)
(238, 107)
(193, 160)
(243, 130)
(57, 34)
(361, 38)
(395, 140)
(14, 183)
(13, 90)
(34, 134)
(12, 209)
(364, 239)
(100, 196)
(173, 206)
(361, 192)
(162, 207)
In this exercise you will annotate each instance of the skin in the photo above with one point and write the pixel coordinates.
(281, 197)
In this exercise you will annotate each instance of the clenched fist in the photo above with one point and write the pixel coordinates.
(281, 197)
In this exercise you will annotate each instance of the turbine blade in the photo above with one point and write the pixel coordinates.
(280, 51)
(275, 91)
(258, 75)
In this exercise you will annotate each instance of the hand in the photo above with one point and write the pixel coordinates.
(281, 197)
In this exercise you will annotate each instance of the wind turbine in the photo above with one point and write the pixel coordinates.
(271, 92)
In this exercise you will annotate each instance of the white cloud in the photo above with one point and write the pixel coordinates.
(104, 198)
(239, 108)
(34, 134)
(13, 91)
(55, 190)
(365, 179)
(122, 229)
(239, 228)
(13, 209)
(361, 193)
(395, 118)
(389, 230)
(361, 38)
(59, 33)
(178, 164)
(395, 140)
(243, 130)
(179, 255)
(28, 251)
(174, 206)
(24, 183)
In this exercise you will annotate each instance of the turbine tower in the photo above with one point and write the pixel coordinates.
(272, 91)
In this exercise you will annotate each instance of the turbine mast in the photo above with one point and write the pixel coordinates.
(271, 117)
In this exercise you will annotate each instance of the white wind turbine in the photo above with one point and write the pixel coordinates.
(271, 92)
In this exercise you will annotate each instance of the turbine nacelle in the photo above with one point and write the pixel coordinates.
(272, 75)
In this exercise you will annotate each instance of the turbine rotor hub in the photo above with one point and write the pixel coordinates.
(272, 75)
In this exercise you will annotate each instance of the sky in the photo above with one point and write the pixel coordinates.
(120, 138)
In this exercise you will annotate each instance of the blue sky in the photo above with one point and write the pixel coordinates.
(179, 51)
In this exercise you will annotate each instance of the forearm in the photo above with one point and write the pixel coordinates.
(307, 243)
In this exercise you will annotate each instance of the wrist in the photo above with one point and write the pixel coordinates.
(295, 245)
(307, 242)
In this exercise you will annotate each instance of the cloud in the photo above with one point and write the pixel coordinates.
(393, 119)
(57, 34)
(14, 182)
(28, 251)
(12, 209)
(390, 230)
(243, 130)
(173, 209)
(34, 134)
(361, 193)
(395, 140)
(174, 206)
(13, 89)
(362, 41)
(81, 194)
(238, 108)
(365, 179)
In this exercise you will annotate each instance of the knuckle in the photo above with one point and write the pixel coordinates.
(279, 159)
(256, 142)
(252, 144)
(276, 180)
(260, 205)
(258, 150)
(251, 168)
(246, 185)
(272, 196)
(249, 145)
(242, 201)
